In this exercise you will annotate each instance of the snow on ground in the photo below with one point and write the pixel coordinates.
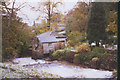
(28, 61)
(66, 71)
(17, 71)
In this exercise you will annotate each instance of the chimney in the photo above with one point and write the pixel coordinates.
(34, 23)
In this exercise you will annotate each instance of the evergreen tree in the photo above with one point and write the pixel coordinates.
(96, 23)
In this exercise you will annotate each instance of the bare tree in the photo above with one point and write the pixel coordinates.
(10, 11)
(48, 8)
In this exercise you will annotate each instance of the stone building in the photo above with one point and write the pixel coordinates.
(47, 43)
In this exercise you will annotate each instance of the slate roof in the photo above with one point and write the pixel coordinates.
(50, 36)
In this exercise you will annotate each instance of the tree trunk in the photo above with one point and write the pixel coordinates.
(49, 15)
(91, 48)
(97, 44)
(11, 14)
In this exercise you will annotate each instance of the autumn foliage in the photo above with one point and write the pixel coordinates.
(83, 49)
(15, 39)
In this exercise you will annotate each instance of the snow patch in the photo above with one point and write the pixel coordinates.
(28, 61)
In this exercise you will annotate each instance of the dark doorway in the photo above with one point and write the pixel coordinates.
(46, 55)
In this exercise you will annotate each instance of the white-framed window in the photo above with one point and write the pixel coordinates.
(37, 44)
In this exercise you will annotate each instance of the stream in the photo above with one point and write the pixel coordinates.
(62, 69)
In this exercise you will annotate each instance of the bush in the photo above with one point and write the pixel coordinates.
(76, 59)
(82, 58)
(83, 48)
(99, 50)
(111, 51)
(69, 56)
(105, 61)
(114, 74)
(58, 54)
(15, 39)
(65, 54)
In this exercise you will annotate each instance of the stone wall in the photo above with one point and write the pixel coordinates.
(37, 49)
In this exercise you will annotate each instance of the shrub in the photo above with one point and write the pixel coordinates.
(114, 74)
(84, 57)
(65, 54)
(76, 59)
(69, 56)
(87, 56)
(58, 54)
(83, 48)
(99, 50)
(111, 51)
(9, 53)
(81, 58)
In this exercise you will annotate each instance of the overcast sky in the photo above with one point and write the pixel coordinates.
(29, 16)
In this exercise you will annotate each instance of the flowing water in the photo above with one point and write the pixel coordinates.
(65, 70)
